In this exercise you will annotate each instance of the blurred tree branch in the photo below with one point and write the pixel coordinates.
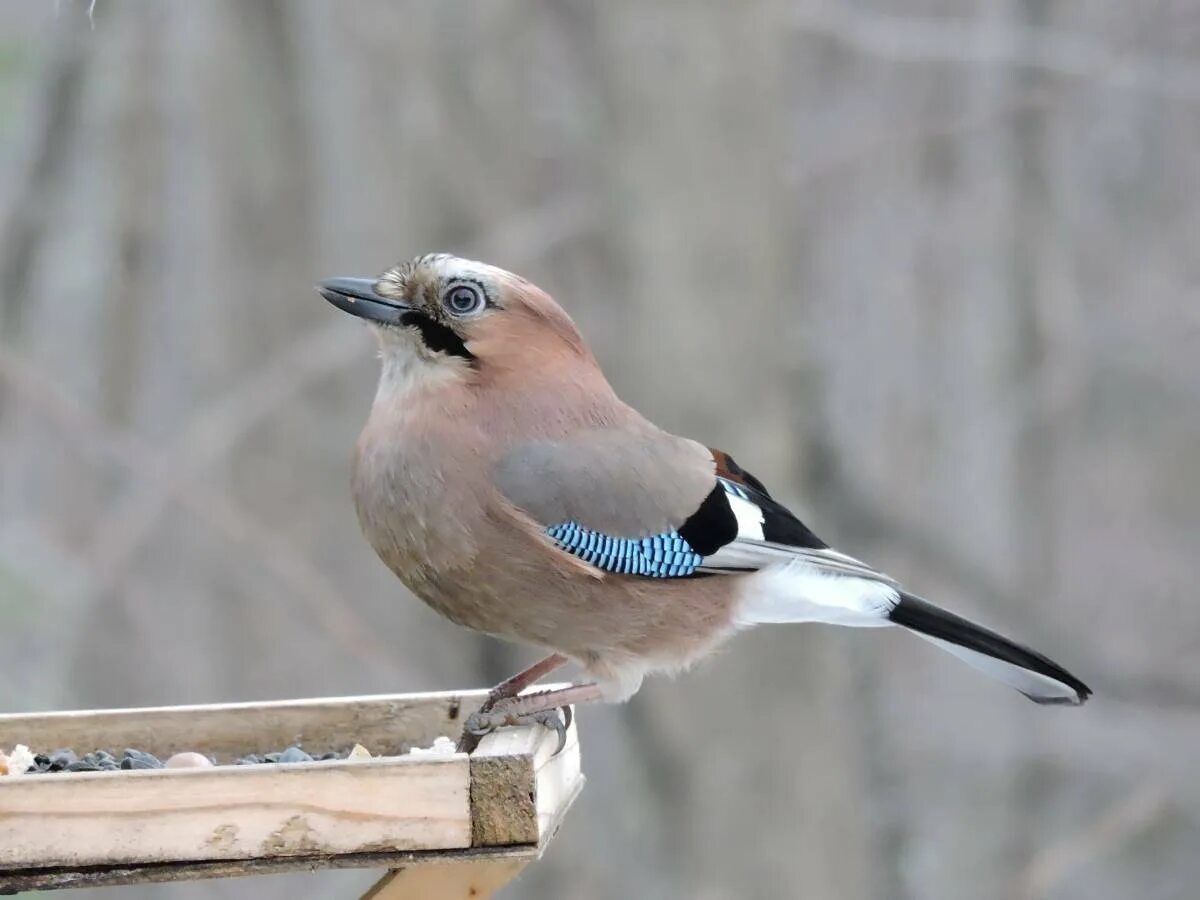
(928, 40)
(37, 185)
(1129, 816)
(317, 595)
(903, 38)
(211, 433)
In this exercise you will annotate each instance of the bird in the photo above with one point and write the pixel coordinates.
(505, 483)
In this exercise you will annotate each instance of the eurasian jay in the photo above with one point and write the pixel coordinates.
(505, 483)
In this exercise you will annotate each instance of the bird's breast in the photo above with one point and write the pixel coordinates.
(416, 491)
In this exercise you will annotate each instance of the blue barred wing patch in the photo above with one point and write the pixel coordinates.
(659, 556)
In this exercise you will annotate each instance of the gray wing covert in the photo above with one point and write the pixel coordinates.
(615, 483)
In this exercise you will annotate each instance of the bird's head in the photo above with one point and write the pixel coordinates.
(458, 315)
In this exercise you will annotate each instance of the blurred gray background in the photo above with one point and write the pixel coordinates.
(931, 270)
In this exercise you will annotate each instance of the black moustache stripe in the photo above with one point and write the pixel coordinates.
(437, 336)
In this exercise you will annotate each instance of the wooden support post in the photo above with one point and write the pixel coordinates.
(474, 880)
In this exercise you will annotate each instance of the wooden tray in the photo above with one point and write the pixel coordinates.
(497, 807)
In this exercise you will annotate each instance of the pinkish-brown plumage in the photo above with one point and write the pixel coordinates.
(423, 482)
(505, 483)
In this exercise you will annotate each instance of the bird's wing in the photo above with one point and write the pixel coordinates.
(657, 506)
(769, 533)
(665, 508)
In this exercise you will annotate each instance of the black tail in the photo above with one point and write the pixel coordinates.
(1035, 676)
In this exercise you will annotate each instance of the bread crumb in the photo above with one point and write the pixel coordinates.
(442, 746)
(16, 763)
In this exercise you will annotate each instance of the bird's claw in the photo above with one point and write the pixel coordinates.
(486, 720)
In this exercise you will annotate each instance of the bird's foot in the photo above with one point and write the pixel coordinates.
(511, 687)
(473, 731)
(540, 707)
(499, 714)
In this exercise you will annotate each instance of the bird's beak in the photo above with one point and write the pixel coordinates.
(358, 297)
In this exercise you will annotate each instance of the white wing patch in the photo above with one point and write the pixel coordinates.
(749, 516)
(750, 551)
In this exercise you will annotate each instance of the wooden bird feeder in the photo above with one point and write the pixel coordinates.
(449, 825)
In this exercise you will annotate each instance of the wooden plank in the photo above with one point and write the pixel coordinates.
(475, 880)
(81, 819)
(386, 724)
(132, 827)
(154, 873)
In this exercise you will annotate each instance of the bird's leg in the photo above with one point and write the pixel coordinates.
(540, 708)
(510, 687)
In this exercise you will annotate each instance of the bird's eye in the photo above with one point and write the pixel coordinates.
(463, 299)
